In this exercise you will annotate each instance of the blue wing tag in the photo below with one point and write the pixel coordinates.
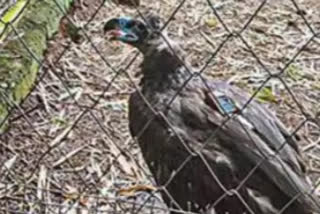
(225, 104)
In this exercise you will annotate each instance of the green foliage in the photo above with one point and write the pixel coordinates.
(19, 61)
(294, 72)
(266, 95)
(12, 14)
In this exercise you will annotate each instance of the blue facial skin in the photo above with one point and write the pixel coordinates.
(125, 25)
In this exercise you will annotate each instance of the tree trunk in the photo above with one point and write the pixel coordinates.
(24, 31)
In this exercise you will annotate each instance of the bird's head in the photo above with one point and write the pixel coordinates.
(134, 32)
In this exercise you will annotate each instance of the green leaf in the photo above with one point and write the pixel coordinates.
(266, 95)
(294, 72)
(12, 14)
(211, 22)
(59, 121)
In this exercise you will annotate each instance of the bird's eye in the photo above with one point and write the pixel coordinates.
(123, 23)
(129, 24)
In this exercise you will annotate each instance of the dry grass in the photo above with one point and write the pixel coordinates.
(68, 151)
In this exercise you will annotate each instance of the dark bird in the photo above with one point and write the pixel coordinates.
(206, 153)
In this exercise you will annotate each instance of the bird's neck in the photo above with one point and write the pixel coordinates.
(163, 68)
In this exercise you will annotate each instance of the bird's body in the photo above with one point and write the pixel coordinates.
(205, 159)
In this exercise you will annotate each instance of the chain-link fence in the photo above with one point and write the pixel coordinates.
(68, 148)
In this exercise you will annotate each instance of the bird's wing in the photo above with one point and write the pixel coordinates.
(265, 124)
(258, 135)
(254, 149)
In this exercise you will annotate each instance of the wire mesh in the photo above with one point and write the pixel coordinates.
(68, 148)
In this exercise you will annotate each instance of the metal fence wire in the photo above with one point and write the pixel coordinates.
(68, 149)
